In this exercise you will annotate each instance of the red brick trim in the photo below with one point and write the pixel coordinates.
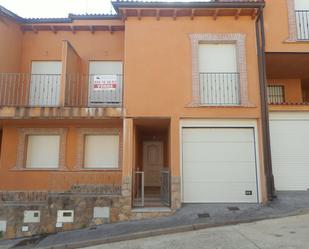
(82, 132)
(22, 146)
(237, 38)
(292, 21)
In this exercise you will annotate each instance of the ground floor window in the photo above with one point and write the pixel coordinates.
(101, 151)
(43, 151)
(41, 148)
(99, 148)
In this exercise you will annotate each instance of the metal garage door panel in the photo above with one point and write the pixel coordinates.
(290, 153)
(217, 135)
(219, 165)
(217, 192)
(207, 171)
(213, 151)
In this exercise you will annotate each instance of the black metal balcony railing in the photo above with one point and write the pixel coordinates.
(302, 20)
(220, 88)
(45, 90)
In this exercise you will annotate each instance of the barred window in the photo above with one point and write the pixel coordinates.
(275, 94)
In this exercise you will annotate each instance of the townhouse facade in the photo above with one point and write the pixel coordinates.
(106, 118)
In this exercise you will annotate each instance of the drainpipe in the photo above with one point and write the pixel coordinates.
(260, 38)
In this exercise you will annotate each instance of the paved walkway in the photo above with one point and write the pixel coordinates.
(190, 217)
(284, 233)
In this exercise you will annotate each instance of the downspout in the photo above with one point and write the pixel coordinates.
(260, 38)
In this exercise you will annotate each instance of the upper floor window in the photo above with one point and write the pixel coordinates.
(275, 94)
(45, 83)
(219, 78)
(302, 19)
(105, 83)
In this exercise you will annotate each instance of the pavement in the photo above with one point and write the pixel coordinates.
(190, 217)
(283, 233)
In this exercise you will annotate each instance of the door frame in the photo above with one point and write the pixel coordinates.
(223, 123)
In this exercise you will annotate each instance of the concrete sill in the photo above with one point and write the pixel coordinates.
(151, 210)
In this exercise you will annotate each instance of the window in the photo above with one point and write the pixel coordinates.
(101, 151)
(302, 19)
(275, 94)
(41, 148)
(219, 79)
(43, 151)
(111, 70)
(45, 83)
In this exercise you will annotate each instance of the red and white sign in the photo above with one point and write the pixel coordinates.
(104, 82)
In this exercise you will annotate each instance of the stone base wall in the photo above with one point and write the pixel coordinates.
(14, 204)
(115, 203)
(175, 193)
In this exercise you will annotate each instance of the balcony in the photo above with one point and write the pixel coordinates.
(56, 91)
(302, 20)
(220, 89)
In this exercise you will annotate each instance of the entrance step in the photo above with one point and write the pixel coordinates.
(151, 210)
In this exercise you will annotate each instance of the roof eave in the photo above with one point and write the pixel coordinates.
(185, 5)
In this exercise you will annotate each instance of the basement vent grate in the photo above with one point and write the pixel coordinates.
(203, 215)
(233, 208)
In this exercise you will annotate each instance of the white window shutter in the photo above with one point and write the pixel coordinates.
(301, 5)
(217, 58)
(43, 151)
(101, 151)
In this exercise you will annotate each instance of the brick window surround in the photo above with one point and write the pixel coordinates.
(82, 132)
(292, 20)
(239, 40)
(22, 146)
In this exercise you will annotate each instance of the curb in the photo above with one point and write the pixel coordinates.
(164, 231)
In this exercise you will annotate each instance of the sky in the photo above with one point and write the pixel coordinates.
(60, 8)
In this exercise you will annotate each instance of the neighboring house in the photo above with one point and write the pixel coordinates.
(115, 117)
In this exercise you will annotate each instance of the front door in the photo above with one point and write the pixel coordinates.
(152, 162)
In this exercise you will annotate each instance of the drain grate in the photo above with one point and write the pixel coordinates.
(203, 215)
(233, 208)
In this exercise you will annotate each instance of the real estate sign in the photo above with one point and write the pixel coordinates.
(104, 82)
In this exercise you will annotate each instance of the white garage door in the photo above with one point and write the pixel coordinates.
(290, 151)
(219, 165)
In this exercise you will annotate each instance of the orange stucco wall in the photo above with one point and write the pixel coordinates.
(10, 45)
(11, 179)
(46, 45)
(158, 57)
(157, 80)
(292, 89)
(158, 74)
(71, 59)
